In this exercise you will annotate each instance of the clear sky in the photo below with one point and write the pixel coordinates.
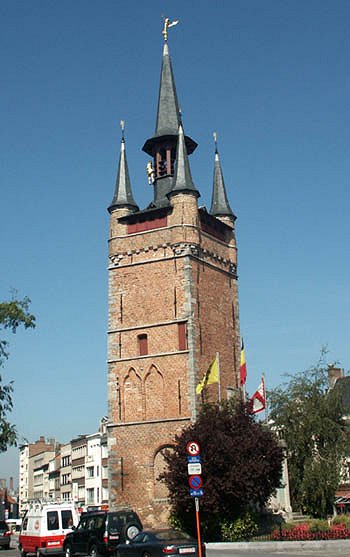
(271, 77)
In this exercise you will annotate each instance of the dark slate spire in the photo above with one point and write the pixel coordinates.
(168, 118)
(220, 206)
(182, 181)
(168, 112)
(123, 196)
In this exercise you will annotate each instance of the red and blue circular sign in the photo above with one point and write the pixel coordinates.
(192, 448)
(195, 482)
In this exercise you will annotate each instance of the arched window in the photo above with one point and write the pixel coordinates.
(154, 394)
(159, 465)
(132, 397)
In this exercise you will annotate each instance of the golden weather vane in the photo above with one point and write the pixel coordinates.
(167, 25)
(122, 126)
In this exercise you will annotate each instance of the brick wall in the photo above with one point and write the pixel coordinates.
(158, 279)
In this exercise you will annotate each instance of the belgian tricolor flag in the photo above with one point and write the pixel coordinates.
(243, 367)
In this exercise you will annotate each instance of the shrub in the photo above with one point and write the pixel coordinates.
(343, 519)
(241, 529)
(319, 526)
(175, 522)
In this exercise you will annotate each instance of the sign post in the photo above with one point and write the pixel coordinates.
(195, 481)
(196, 502)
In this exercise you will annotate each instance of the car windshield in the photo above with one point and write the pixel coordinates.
(170, 535)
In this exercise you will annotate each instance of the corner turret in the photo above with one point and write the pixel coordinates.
(123, 197)
(220, 206)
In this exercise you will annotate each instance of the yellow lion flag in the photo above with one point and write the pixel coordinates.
(211, 376)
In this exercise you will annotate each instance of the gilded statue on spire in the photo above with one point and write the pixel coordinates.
(167, 25)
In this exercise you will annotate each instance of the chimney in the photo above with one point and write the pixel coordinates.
(11, 484)
(334, 373)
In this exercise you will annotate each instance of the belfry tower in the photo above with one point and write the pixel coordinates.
(173, 304)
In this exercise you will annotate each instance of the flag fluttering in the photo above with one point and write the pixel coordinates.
(258, 400)
(211, 376)
(242, 367)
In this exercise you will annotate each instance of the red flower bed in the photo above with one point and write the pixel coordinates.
(302, 533)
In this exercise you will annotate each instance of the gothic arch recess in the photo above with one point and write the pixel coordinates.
(154, 394)
(132, 397)
(159, 465)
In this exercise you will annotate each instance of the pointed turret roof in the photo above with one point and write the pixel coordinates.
(168, 113)
(220, 206)
(123, 196)
(182, 181)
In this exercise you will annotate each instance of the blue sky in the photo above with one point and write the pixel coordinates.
(272, 78)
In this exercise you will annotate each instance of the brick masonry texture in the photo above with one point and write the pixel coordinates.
(158, 279)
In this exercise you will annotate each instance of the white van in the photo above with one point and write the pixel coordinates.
(14, 524)
(44, 527)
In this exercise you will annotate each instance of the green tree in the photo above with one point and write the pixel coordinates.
(309, 415)
(13, 313)
(241, 467)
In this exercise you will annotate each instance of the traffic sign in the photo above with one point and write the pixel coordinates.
(195, 482)
(193, 458)
(196, 492)
(194, 468)
(192, 448)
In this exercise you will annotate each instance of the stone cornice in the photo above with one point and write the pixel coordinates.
(148, 422)
(147, 326)
(179, 249)
(159, 355)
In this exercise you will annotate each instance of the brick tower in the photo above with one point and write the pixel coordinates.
(173, 304)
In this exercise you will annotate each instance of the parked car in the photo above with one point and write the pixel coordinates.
(5, 535)
(99, 532)
(158, 543)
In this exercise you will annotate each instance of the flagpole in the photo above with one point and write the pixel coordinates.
(219, 383)
(263, 378)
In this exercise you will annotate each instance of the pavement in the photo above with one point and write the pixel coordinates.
(318, 545)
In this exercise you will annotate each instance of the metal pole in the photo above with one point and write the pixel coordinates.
(196, 502)
(219, 382)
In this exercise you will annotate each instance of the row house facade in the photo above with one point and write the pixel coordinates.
(76, 471)
(27, 454)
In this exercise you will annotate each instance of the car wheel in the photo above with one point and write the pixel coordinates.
(131, 530)
(146, 554)
(93, 551)
(68, 551)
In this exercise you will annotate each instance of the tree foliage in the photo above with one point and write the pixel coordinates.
(241, 466)
(13, 313)
(310, 418)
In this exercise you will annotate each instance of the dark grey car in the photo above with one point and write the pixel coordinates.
(160, 543)
(5, 535)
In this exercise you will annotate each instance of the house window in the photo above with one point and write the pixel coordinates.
(90, 496)
(182, 330)
(90, 471)
(143, 345)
